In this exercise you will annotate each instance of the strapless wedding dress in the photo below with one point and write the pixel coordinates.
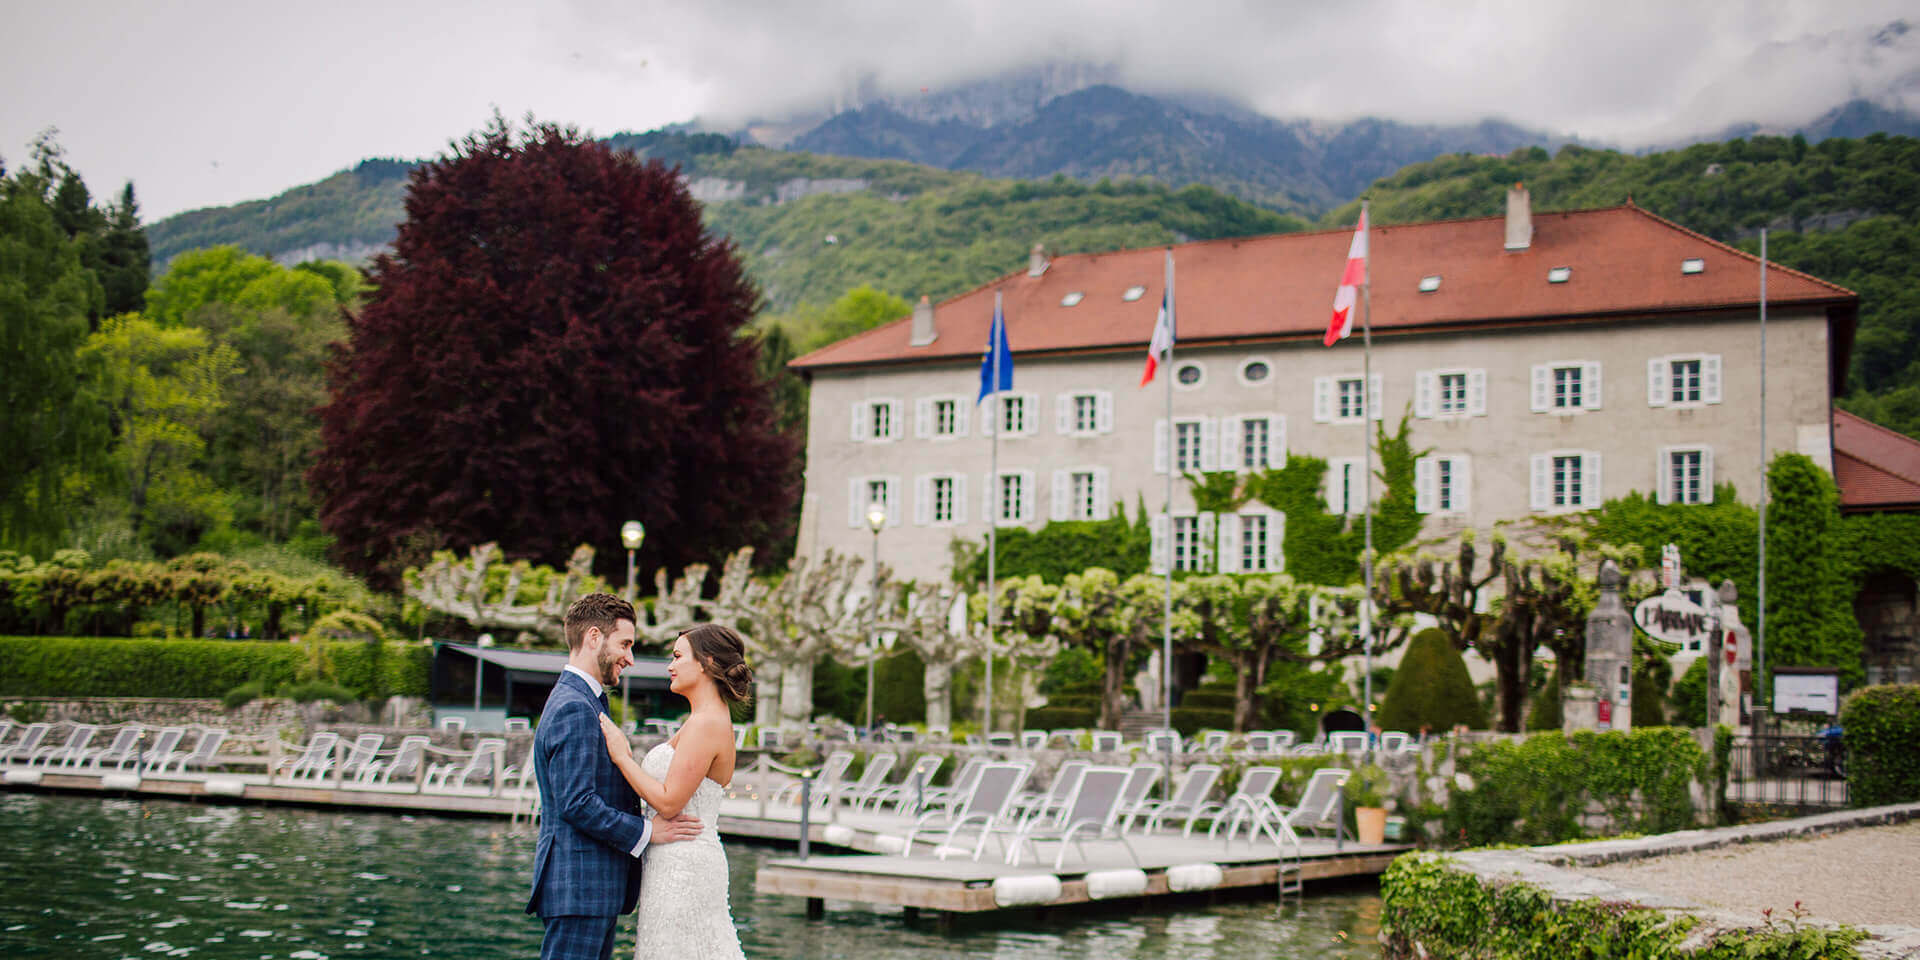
(684, 913)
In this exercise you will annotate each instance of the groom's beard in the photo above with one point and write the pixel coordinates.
(609, 670)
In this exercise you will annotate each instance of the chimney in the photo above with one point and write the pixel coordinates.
(1519, 218)
(1037, 261)
(923, 331)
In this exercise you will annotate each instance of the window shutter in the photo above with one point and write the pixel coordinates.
(922, 500)
(1063, 413)
(1231, 433)
(859, 421)
(1204, 556)
(1423, 384)
(1542, 392)
(1030, 415)
(1663, 476)
(1706, 474)
(1276, 537)
(1710, 378)
(896, 416)
(1376, 408)
(922, 417)
(1330, 487)
(1657, 389)
(989, 414)
(895, 493)
(1276, 441)
(1160, 446)
(1157, 552)
(1103, 411)
(959, 499)
(1230, 542)
(1541, 489)
(1062, 494)
(1462, 484)
(1322, 399)
(1590, 386)
(1209, 445)
(1476, 393)
(1590, 482)
(1102, 494)
(961, 414)
(1026, 496)
(990, 500)
(1424, 491)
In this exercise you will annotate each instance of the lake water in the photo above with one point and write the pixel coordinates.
(92, 878)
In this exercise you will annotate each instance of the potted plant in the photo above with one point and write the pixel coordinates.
(1366, 794)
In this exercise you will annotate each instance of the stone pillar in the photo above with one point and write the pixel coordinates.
(1610, 653)
(1726, 680)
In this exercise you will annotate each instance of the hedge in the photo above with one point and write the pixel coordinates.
(1537, 790)
(1062, 718)
(205, 669)
(1432, 689)
(1882, 726)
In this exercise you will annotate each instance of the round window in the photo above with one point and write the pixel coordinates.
(1189, 374)
(1255, 371)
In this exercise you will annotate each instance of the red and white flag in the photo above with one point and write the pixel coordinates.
(1162, 343)
(1350, 281)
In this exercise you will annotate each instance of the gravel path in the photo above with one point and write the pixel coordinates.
(1869, 875)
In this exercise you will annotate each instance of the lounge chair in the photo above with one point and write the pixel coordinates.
(985, 808)
(70, 753)
(872, 779)
(30, 739)
(1189, 795)
(1107, 741)
(519, 725)
(365, 750)
(453, 724)
(740, 737)
(939, 735)
(6, 730)
(1162, 742)
(201, 757)
(769, 738)
(825, 781)
(906, 735)
(124, 750)
(1093, 811)
(1347, 741)
(1212, 741)
(962, 785)
(154, 758)
(405, 762)
(1249, 800)
(909, 795)
(1037, 806)
(1134, 796)
(484, 761)
(517, 777)
(1064, 739)
(1033, 739)
(313, 760)
(1397, 741)
(1000, 741)
(1319, 806)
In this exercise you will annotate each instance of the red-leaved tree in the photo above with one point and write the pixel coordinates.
(554, 347)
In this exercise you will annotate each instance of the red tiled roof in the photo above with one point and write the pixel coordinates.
(1876, 468)
(1624, 261)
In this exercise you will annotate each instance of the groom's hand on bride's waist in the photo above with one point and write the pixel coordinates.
(669, 829)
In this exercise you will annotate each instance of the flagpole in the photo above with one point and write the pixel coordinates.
(1760, 635)
(994, 338)
(1366, 429)
(1173, 464)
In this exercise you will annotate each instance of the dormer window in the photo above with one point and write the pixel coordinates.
(1692, 265)
(1134, 293)
(1072, 299)
(1430, 283)
(1559, 274)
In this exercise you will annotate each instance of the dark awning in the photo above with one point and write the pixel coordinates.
(648, 672)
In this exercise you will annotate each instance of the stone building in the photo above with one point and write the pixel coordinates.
(1548, 362)
(1878, 471)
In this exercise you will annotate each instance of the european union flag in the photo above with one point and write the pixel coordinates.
(996, 367)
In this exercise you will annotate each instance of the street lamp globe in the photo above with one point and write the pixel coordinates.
(876, 517)
(631, 533)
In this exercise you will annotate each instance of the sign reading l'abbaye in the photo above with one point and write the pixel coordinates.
(1670, 616)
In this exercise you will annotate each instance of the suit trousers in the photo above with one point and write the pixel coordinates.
(579, 938)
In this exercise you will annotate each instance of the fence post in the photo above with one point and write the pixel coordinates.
(273, 751)
(806, 804)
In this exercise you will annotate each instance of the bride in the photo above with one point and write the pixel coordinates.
(684, 912)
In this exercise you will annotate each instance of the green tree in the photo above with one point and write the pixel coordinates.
(856, 311)
(49, 427)
(163, 388)
(1810, 573)
(1431, 690)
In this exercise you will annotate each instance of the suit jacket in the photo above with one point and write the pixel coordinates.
(583, 864)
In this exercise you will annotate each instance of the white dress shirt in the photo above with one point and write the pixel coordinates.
(646, 832)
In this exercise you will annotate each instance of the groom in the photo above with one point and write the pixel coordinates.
(586, 868)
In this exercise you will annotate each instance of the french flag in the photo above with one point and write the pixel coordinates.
(1162, 343)
(1356, 274)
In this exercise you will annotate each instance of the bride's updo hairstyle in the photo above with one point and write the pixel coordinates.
(723, 656)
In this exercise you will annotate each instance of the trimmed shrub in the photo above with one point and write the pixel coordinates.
(1205, 707)
(1537, 791)
(1062, 718)
(1882, 725)
(1688, 702)
(117, 667)
(1431, 689)
(319, 690)
(243, 694)
(1544, 711)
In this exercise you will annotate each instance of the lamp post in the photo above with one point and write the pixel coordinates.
(876, 519)
(631, 534)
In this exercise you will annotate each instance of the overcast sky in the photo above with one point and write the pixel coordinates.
(204, 103)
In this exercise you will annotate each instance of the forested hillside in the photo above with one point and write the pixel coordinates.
(1847, 211)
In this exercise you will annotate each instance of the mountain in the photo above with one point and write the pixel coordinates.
(1102, 131)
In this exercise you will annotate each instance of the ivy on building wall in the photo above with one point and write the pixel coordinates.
(1323, 547)
(1811, 577)
(1066, 546)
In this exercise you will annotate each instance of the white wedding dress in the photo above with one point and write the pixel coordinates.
(684, 913)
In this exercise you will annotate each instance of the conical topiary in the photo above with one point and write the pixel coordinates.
(1431, 689)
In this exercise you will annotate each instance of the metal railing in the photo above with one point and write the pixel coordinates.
(1796, 771)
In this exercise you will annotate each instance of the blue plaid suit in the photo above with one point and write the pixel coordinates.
(583, 868)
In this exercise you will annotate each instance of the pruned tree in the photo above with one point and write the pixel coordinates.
(1252, 622)
(922, 614)
(1093, 613)
(460, 588)
(789, 624)
(1024, 632)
